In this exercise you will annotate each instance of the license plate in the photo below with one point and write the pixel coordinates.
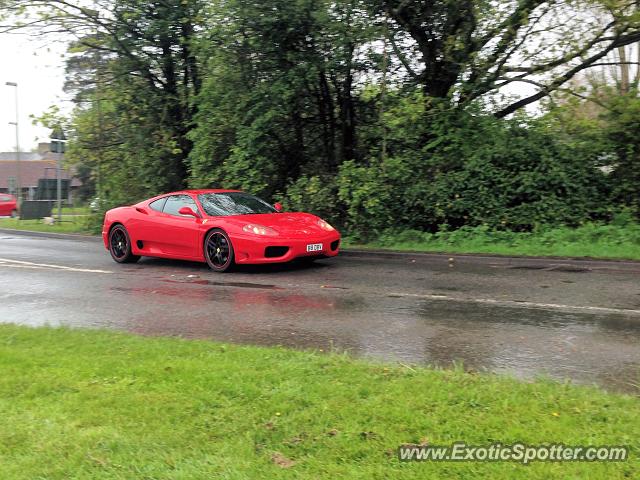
(314, 247)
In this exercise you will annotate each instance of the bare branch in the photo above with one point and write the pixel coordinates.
(558, 81)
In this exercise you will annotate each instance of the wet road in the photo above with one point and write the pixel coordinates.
(573, 320)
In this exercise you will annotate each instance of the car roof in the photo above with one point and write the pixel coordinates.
(186, 192)
(199, 192)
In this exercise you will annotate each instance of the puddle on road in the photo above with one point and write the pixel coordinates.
(226, 284)
(584, 347)
(587, 348)
(251, 295)
(568, 269)
(552, 268)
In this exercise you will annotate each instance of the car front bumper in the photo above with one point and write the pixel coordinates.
(252, 249)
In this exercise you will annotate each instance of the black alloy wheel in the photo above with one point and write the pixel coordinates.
(120, 245)
(218, 251)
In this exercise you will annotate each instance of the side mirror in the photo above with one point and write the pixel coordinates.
(278, 207)
(188, 211)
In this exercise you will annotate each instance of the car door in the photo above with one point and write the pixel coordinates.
(146, 229)
(180, 233)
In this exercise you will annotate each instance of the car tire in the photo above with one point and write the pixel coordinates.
(120, 245)
(218, 251)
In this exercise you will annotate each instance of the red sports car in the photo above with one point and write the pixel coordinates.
(8, 205)
(219, 227)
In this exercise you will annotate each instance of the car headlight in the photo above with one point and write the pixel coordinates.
(259, 230)
(325, 226)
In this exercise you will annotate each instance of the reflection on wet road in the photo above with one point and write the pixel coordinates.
(566, 320)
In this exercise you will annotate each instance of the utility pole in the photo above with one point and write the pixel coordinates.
(18, 184)
(58, 140)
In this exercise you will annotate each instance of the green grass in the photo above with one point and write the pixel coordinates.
(91, 404)
(69, 210)
(69, 224)
(590, 240)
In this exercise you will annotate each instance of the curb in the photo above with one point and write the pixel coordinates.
(60, 236)
(364, 252)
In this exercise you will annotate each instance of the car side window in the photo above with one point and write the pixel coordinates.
(175, 202)
(158, 205)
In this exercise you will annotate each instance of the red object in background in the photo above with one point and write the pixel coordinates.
(219, 227)
(8, 205)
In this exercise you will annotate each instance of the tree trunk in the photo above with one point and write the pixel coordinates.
(624, 71)
(347, 112)
(327, 107)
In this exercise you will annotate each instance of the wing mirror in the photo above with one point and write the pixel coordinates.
(278, 207)
(188, 211)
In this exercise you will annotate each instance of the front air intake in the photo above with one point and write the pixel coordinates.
(274, 252)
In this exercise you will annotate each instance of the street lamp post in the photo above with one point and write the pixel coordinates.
(18, 184)
(58, 140)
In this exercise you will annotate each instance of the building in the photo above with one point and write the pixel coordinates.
(34, 166)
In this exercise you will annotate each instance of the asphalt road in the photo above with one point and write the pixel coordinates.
(577, 320)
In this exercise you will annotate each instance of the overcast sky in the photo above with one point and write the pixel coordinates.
(38, 68)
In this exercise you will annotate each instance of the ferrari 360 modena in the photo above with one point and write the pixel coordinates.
(220, 227)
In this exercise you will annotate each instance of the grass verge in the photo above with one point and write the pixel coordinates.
(590, 240)
(91, 404)
(69, 224)
(71, 210)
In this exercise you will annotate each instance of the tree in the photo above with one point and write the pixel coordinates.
(281, 96)
(467, 49)
(146, 60)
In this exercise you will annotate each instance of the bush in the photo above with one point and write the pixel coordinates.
(317, 195)
(470, 170)
(591, 239)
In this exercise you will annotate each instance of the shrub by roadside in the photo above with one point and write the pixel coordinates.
(589, 240)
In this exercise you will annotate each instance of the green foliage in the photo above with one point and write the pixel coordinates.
(278, 101)
(76, 225)
(457, 168)
(620, 239)
(623, 133)
(606, 125)
(317, 195)
(294, 101)
(442, 166)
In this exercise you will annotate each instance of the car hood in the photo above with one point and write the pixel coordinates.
(297, 225)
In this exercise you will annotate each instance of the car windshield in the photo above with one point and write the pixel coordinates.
(233, 203)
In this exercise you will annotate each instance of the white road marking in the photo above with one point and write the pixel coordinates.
(8, 262)
(514, 303)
